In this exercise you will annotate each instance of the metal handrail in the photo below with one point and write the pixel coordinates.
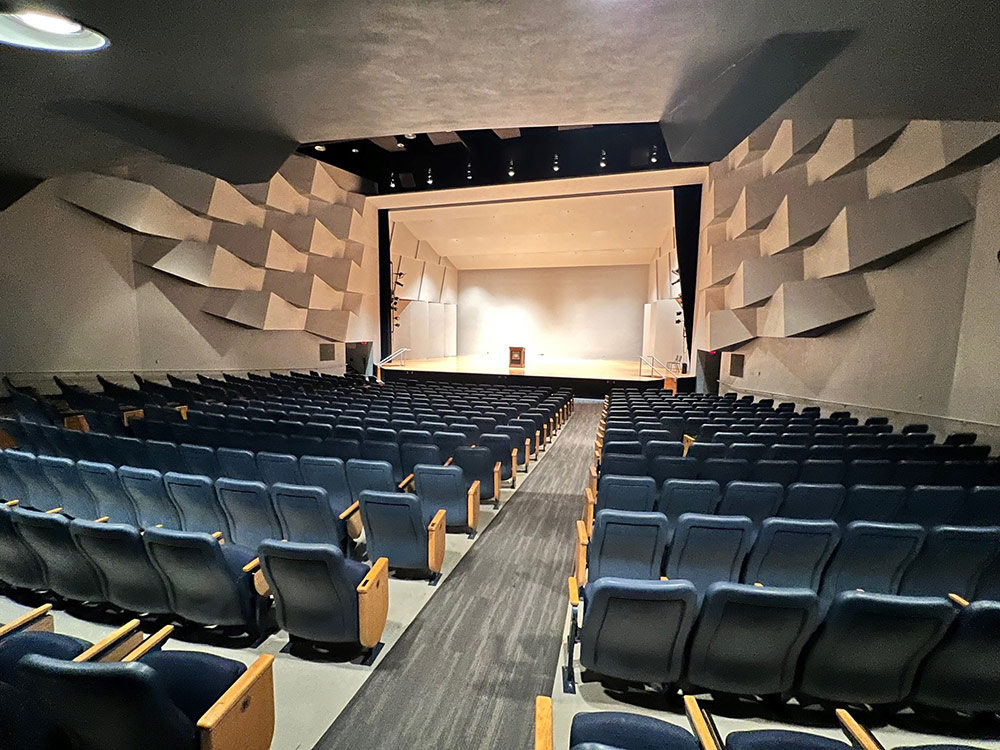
(652, 369)
(398, 353)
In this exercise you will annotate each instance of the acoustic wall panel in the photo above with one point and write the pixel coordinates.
(276, 193)
(435, 330)
(851, 144)
(263, 310)
(450, 330)
(449, 288)
(757, 279)
(199, 263)
(433, 280)
(806, 307)
(259, 247)
(413, 271)
(306, 233)
(794, 142)
(312, 177)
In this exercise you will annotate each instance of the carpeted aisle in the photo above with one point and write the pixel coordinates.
(466, 672)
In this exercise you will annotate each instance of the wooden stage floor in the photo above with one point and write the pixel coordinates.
(538, 366)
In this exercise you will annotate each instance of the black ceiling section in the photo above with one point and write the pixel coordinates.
(481, 157)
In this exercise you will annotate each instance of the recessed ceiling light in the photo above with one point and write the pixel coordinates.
(410, 136)
(319, 147)
(399, 145)
(355, 150)
(48, 31)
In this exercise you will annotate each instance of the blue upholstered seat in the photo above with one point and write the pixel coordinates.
(792, 553)
(613, 730)
(249, 513)
(395, 526)
(627, 545)
(444, 487)
(307, 515)
(615, 492)
(149, 497)
(67, 571)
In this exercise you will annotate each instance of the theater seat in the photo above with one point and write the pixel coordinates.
(613, 730)
(624, 464)
(637, 630)
(128, 578)
(707, 549)
(873, 557)
(626, 545)
(155, 703)
(374, 476)
(74, 498)
(951, 561)
(404, 530)
(747, 639)
(307, 515)
(19, 565)
(445, 487)
(249, 513)
(616, 492)
(663, 468)
(813, 501)
(725, 470)
(960, 674)
(502, 450)
(792, 553)
(772, 470)
(870, 502)
(322, 596)
(756, 500)
(680, 496)
(195, 499)
(149, 497)
(279, 467)
(206, 582)
(67, 572)
(869, 647)
(780, 739)
(478, 465)
(931, 506)
(239, 464)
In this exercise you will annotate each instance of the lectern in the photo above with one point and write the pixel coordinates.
(517, 356)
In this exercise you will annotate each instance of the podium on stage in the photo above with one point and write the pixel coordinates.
(516, 356)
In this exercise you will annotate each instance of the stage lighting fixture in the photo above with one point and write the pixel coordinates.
(430, 177)
(409, 136)
(399, 145)
(392, 180)
(319, 147)
(653, 158)
(555, 163)
(510, 169)
(355, 150)
(468, 171)
(48, 31)
(604, 159)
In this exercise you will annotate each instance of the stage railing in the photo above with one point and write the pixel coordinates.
(652, 370)
(398, 353)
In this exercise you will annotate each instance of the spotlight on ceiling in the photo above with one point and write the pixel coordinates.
(319, 147)
(48, 31)
(355, 150)
(604, 159)
(430, 177)
(399, 145)
(468, 171)
(392, 180)
(555, 163)
(410, 136)
(653, 157)
(510, 169)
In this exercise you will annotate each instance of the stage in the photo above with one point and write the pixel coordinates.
(589, 378)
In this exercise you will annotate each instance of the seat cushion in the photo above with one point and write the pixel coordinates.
(193, 680)
(55, 645)
(779, 739)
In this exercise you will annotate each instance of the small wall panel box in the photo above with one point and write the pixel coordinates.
(517, 356)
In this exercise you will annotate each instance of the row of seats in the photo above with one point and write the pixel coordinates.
(868, 648)
(818, 555)
(926, 505)
(811, 471)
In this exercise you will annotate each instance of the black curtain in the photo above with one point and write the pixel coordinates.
(687, 220)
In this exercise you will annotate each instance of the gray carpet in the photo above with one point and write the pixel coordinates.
(466, 672)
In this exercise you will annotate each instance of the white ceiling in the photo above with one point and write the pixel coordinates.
(623, 228)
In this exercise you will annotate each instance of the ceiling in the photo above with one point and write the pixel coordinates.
(233, 88)
(607, 229)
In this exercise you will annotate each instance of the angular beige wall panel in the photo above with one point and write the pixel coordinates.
(449, 289)
(726, 257)
(306, 233)
(868, 232)
(432, 282)
(413, 271)
(801, 307)
(427, 253)
(757, 279)
(334, 271)
(199, 263)
(849, 146)
(924, 148)
(730, 327)
(303, 290)
(262, 310)
(342, 221)
(724, 192)
(805, 213)
(199, 191)
(759, 200)
(261, 247)
(435, 330)
(330, 324)
(404, 242)
(135, 206)
(450, 330)
(308, 176)
(794, 143)
(276, 193)
(754, 146)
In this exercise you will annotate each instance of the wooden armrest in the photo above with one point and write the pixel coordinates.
(543, 723)
(39, 619)
(527, 451)
(373, 603)
(354, 508)
(758, 584)
(538, 439)
(473, 505)
(54, 510)
(12, 503)
(252, 565)
(593, 478)
(448, 462)
(406, 481)
(582, 540)
(708, 736)
(218, 535)
(435, 541)
(102, 519)
(243, 718)
(128, 416)
(513, 461)
(959, 600)
(115, 646)
(157, 639)
(574, 592)
(496, 481)
(859, 736)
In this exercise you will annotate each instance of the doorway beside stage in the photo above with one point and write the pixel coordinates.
(359, 357)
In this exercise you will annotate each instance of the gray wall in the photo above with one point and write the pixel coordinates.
(593, 312)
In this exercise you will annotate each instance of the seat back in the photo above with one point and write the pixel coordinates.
(165, 456)
(747, 639)
(784, 472)
(637, 630)
(236, 463)
(67, 571)
(477, 464)
(38, 491)
(869, 646)
(624, 464)
(364, 474)
(756, 500)
(443, 487)
(951, 561)
(330, 474)
(248, 510)
(792, 553)
(707, 549)
(627, 545)
(725, 470)
(872, 557)
(447, 442)
(680, 496)
(117, 553)
(196, 502)
(822, 471)
(20, 566)
(152, 503)
(101, 480)
(315, 590)
(279, 467)
(960, 674)
(981, 508)
(204, 584)
(306, 515)
(200, 459)
(74, 498)
(870, 502)
(931, 506)
(395, 528)
(662, 468)
(605, 729)
(630, 493)
(384, 451)
(813, 501)
(500, 447)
